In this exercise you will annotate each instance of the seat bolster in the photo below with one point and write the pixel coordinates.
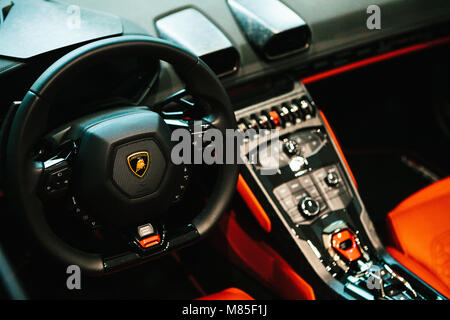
(437, 189)
(420, 231)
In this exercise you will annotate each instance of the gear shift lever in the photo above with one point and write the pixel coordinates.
(369, 274)
(344, 243)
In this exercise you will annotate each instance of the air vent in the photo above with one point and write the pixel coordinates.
(190, 29)
(273, 29)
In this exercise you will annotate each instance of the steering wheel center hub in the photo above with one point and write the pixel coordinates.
(124, 167)
(138, 168)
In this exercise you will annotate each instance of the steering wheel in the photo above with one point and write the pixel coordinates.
(95, 155)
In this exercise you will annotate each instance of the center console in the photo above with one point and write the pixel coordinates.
(315, 199)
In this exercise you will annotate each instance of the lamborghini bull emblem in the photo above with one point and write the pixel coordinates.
(138, 163)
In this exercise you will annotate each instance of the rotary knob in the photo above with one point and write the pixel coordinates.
(308, 207)
(332, 179)
(290, 147)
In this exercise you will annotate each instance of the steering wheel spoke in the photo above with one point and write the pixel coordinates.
(180, 105)
(159, 106)
(194, 126)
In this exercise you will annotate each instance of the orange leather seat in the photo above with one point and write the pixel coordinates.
(420, 230)
(228, 294)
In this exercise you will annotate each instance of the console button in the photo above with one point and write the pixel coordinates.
(288, 203)
(294, 112)
(319, 176)
(306, 108)
(285, 115)
(263, 121)
(309, 207)
(242, 125)
(294, 186)
(253, 124)
(306, 181)
(282, 192)
(295, 216)
(299, 196)
(300, 113)
(313, 192)
(275, 119)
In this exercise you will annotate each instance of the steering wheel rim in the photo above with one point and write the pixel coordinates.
(29, 125)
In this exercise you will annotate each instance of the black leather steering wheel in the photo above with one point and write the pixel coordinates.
(100, 146)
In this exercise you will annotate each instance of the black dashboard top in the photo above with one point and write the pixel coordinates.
(336, 29)
(335, 25)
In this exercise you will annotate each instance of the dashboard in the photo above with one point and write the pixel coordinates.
(259, 49)
(335, 26)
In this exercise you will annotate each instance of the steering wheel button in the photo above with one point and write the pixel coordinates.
(150, 241)
(145, 230)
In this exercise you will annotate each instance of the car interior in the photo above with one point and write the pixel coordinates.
(349, 99)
